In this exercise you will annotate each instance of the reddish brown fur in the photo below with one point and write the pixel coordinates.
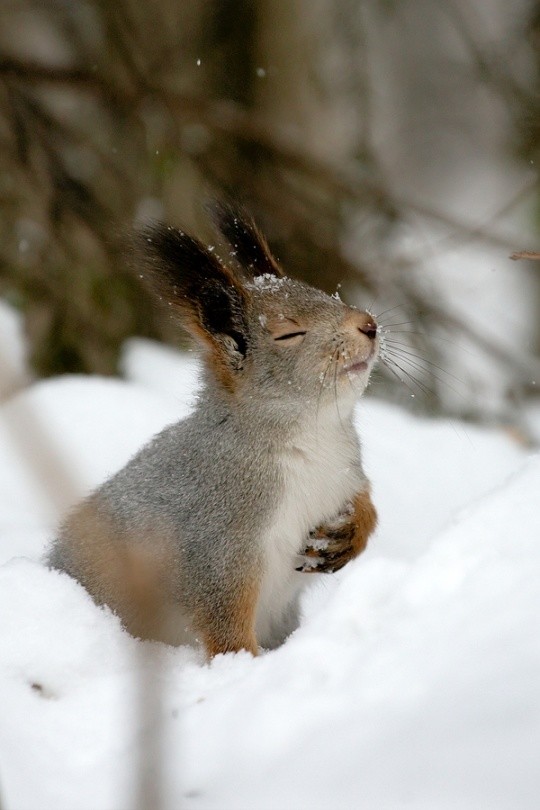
(234, 628)
(128, 573)
(216, 355)
(216, 358)
(364, 519)
(196, 284)
(273, 266)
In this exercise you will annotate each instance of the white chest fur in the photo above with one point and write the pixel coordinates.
(321, 473)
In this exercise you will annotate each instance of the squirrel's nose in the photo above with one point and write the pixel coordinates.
(364, 322)
(369, 328)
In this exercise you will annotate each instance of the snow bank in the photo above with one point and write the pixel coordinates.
(411, 682)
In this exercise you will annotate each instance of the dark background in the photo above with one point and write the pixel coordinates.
(387, 147)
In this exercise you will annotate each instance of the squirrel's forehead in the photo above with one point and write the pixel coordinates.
(289, 297)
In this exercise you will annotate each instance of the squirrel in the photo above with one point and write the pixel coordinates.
(208, 533)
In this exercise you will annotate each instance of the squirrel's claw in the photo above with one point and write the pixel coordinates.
(311, 562)
(331, 547)
(325, 561)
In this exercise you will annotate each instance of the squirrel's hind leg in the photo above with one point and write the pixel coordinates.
(227, 623)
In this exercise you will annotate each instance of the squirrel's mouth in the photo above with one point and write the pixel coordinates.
(356, 367)
(358, 364)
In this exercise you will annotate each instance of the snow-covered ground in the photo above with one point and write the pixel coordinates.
(412, 682)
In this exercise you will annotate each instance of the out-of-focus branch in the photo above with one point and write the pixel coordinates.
(38, 73)
(125, 134)
(525, 254)
(228, 118)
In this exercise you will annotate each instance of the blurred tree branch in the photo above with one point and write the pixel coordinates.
(118, 133)
(525, 254)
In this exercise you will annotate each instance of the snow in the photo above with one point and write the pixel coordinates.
(412, 681)
(268, 282)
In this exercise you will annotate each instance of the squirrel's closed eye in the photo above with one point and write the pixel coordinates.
(288, 332)
(290, 336)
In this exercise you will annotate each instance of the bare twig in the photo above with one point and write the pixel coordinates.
(525, 254)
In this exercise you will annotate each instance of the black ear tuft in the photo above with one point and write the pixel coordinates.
(194, 282)
(249, 245)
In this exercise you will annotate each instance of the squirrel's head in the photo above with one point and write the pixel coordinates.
(265, 336)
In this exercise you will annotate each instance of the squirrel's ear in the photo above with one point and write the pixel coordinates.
(205, 293)
(249, 245)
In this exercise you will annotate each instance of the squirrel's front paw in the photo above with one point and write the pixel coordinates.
(331, 546)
